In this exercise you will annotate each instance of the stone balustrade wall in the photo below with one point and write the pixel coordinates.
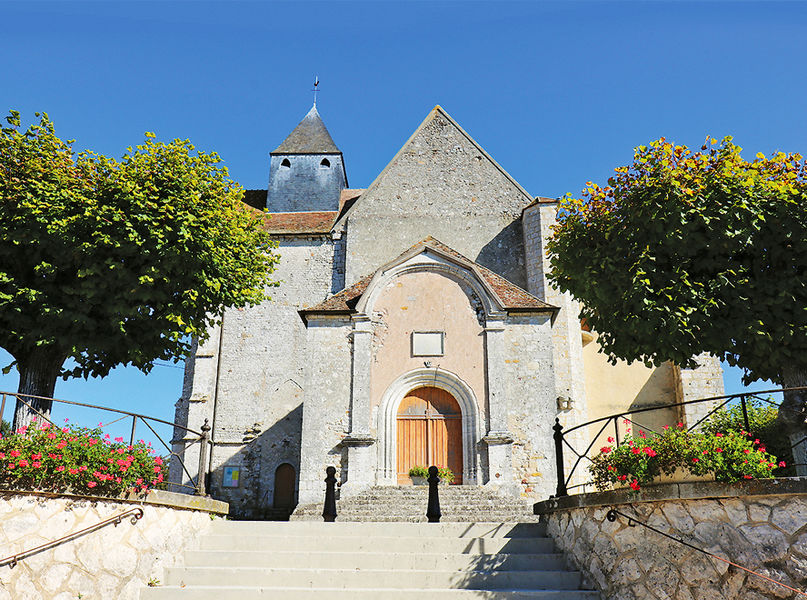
(760, 525)
(112, 562)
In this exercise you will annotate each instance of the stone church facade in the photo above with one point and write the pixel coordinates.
(413, 325)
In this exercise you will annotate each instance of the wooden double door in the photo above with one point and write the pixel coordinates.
(429, 432)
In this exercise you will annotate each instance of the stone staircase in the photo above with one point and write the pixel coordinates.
(463, 503)
(246, 560)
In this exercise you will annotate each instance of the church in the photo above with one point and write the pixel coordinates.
(413, 326)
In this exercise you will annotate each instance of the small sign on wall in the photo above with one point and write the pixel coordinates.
(231, 477)
(428, 343)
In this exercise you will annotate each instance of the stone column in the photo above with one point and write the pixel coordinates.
(360, 468)
(498, 438)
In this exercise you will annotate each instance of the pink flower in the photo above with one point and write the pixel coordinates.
(782, 463)
(23, 463)
(60, 468)
(718, 449)
(157, 469)
(649, 451)
(61, 445)
(159, 460)
(2, 455)
(36, 456)
(642, 434)
(51, 436)
(14, 453)
(36, 464)
(756, 442)
(119, 440)
(604, 450)
(718, 435)
(694, 460)
(106, 437)
(705, 452)
(11, 465)
(679, 425)
(635, 450)
(747, 451)
(666, 427)
(73, 471)
(139, 481)
(91, 484)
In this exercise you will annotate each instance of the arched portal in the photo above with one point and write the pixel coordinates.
(285, 480)
(429, 426)
(387, 421)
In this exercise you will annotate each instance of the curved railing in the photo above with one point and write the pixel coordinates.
(561, 435)
(201, 437)
(134, 513)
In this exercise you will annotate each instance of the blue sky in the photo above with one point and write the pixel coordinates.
(559, 93)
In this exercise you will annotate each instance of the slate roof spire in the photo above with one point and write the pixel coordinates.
(309, 137)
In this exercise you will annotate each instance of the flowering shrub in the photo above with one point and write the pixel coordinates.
(76, 459)
(637, 460)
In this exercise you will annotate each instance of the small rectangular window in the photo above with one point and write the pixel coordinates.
(428, 343)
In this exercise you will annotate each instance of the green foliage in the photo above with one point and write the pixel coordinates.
(444, 473)
(77, 460)
(763, 425)
(418, 471)
(122, 261)
(689, 252)
(637, 460)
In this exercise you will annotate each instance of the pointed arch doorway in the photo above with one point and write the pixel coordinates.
(429, 425)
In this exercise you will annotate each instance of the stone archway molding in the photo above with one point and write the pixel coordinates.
(387, 426)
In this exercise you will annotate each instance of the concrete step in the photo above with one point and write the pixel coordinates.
(310, 528)
(372, 578)
(334, 543)
(294, 593)
(375, 560)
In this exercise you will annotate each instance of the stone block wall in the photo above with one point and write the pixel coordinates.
(761, 525)
(113, 562)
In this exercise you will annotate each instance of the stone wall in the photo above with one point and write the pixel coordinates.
(760, 525)
(444, 185)
(113, 562)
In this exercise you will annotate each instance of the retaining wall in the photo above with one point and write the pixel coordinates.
(113, 562)
(760, 525)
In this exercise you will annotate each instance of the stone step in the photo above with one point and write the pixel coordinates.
(401, 544)
(373, 578)
(309, 528)
(375, 560)
(295, 593)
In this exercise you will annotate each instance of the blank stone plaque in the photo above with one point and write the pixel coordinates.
(427, 343)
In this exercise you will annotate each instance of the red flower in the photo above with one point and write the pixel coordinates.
(679, 425)
(782, 463)
(642, 434)
(747, 451)
(718, 435)
(157, 469)
(694, 460)
(73, 471)
(60, 468)
(2, 455)
(14, 453)
(634, 485)
(91, 484)
(604, 450)
(11, 465)
(36, 456)
(610, 441)
(747, 477)
(718, 449)
(23, 463)
(635, 450)
(36, 464)
(649, 451)
(622, 477)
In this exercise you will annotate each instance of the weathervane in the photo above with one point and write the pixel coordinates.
(315, 89)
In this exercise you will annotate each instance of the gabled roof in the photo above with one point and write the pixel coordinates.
(511, 297)
(438, 110)
(309, 137)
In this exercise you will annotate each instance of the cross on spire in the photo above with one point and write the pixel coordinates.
(315, 89)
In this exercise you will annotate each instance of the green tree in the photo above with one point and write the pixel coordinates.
(687, 252)
(113, 262)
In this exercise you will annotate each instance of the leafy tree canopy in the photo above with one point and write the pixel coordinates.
(687, 252)
(112, 262)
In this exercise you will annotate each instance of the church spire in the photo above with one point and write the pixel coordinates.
(309, 137)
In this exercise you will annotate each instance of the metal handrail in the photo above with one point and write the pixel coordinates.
(134, 513)
(560, 433)
(633, 521)
(203, 436)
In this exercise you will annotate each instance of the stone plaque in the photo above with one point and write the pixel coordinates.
(428, 343)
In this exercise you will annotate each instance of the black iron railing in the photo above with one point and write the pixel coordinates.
(201, 437)
(604, 424)
(135, 514)
(613, 514)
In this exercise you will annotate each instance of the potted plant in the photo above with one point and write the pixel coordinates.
(420, 475)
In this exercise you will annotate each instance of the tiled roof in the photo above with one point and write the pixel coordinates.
(300, 222)
(512, 297)
(309, 137)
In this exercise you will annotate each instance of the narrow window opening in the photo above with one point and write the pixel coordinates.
(326, 164)
(286, 164)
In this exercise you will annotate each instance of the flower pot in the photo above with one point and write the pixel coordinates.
(419, 480)
(681, 476)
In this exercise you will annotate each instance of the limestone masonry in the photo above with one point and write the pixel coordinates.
(414, 325)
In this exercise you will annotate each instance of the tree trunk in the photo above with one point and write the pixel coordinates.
(38, 373)
(792, 418)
